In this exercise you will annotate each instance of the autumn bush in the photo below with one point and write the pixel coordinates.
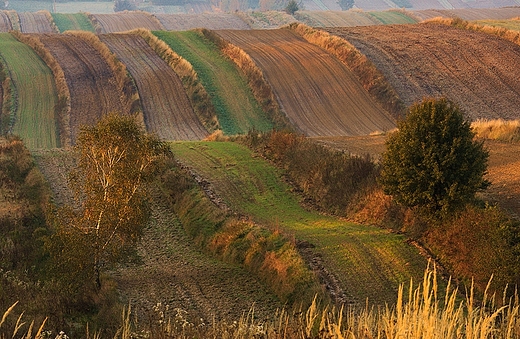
(6, 96)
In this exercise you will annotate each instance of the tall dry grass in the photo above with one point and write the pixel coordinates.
(507, 34)
(51, 21)
(504, 130)
(369, 76)
(95, 23)
(199, 98)
(62, 109)
(125, 84)
(259, 86)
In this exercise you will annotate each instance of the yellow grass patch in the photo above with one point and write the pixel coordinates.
(505, 130)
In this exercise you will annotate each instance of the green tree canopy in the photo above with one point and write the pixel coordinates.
(433, 162)
(116, 158)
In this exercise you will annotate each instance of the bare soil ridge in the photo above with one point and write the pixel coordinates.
(317, 92)
(125, 21)
(184, 22)
(92, 84)
(5, 23)
(430, 60)
(38, 22)
(166, 108)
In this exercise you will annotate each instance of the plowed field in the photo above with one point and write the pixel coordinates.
(167, 109)
(5, 23)
(126, 21)
(184, 22)
(319, 95)
(336, 18)
(478, 71)
(35, 23)
(92, 84)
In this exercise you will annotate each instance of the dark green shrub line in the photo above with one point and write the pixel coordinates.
(8, 100)
(266, 253)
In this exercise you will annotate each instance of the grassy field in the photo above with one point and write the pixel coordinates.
(34, 118)
(369, 262)
(236, 108)
(508, 24)
(78, 21)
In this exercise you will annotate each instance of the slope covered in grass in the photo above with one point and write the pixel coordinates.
(34, 117)
(69, 22)
(368, 262)
(236, 108)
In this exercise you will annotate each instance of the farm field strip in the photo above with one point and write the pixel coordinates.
(5, 23)
(77, 21)
(185, 22)
(37, 22)
(92, 84)
(336, 18)
(368, 261)
(35, 120)
(434, 60)
(266, 20)
(166, 108)
(470, 14)
(317, 92)
(237, 110)
(126, 21)
(392, 17)
(507, 24)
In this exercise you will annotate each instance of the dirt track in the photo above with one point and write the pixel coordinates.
(91, 82)
(184, 22)
(317, 92)
(167, 109)
(5, 23)
(125, 21)
(35, 23)
(478, 71)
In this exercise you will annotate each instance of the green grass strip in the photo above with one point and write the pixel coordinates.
(236, 108)
(392, 17)
(370, 262)
(72, 22)
(513, 25)
(34, 119)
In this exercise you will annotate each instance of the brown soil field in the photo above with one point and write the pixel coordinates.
(125, 21)
(35, 23)
(185, 22)
(320, 96)
(166, 108)
(92, 84)
(336, 18)
(503, 166)
(5, 23)
(478, 71)
(470, 13)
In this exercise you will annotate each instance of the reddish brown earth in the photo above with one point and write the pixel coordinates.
(35, 23)
(126, 21)
(92, 83)
(478, 71)
(166, 107)
(5, 23)
(320, 96)
(184, 22)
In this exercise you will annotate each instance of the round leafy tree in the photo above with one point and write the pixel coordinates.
(433, 162)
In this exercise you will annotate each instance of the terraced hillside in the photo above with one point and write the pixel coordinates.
(435, 60)
(184, 22)
(317, 92)
(92, 84)
(236, 108)
(367, 262)
(35, 94)
(5, 23)
(124, 21)
(166, 107)
(39, 22)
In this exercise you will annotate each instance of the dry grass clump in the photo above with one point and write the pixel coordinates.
(369, 76)
(199, 98)
(62, 109)
(504, 130)
(95, 23)
(259, 86)
(502, 32)
(125, 83)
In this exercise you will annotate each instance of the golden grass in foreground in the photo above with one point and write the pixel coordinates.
(503, 130)
(420, 312)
